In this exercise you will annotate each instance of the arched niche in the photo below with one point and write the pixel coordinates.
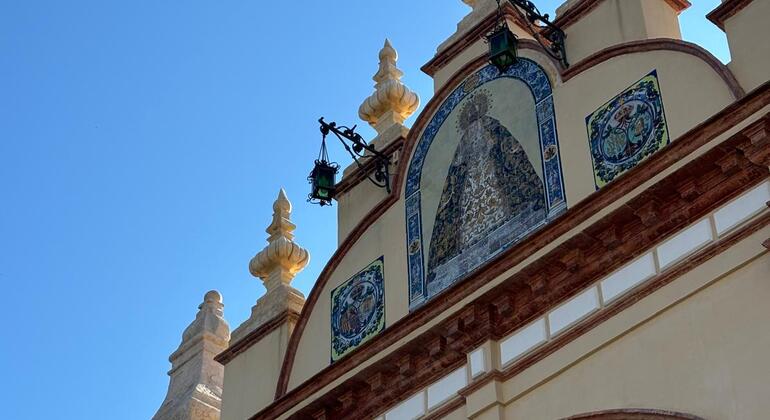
(485, 174)
(634, 414)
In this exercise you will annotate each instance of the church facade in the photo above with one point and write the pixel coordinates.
(562, 240)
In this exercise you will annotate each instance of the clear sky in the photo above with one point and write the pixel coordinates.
(142, 144)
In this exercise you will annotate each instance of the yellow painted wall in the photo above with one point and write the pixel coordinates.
(706, 355)
(250, 378)
(748, 33)
(691, 93)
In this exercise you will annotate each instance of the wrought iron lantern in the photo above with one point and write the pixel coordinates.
(323, 176)
(502, 48)
(503, 43)
(322, 180)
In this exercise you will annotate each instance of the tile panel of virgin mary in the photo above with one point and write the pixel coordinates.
(492, 195)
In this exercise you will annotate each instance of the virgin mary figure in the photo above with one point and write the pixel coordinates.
(491, 182)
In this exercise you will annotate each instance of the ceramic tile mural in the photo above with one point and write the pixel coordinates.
(358, 309)
(502, 182)
(491, 184)
(627, 130)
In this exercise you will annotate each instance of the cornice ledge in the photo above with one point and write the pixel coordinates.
(581, 8)
(443, 57)
(255, 336)
(725, 11)
(687, 143)
(471, 325)
(445, 409)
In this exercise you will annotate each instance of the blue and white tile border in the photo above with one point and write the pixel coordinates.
(539, 85)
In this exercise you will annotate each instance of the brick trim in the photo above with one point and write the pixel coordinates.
(686, 144)
(725, 11)
(445, 409)
(443, 57)
(634, 414)
(541, 285)
(658, 45)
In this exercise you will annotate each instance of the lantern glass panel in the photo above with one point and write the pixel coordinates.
(502, 49)
(323, 179)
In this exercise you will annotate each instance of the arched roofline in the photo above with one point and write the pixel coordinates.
(657, 44)
(391, 334)
(634, 414)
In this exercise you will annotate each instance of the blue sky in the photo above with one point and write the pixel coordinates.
(142, 144)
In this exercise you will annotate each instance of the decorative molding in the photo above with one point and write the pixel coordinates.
(660, 44)
(726, 10)
(634, 414)
(480, 320)
(478, 383)
(632, 47)
(445, 409)
(443, 57)
(651, 285)
(686, 144)
(289, 316)
(581, 8)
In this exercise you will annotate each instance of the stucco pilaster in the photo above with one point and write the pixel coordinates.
(484, 400)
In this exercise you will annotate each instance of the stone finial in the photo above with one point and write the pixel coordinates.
(471, 3)
(277, 265)
(195, 388)
(392, 102)
(282, 258)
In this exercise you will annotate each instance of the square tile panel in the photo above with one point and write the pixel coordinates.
(627, 130)
(358, 309)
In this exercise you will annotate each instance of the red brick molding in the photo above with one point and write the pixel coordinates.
(478, 32)
(445, 409)
(582, 8)
(562, 273)
(660, 44)
(255, 336)
(726, 10)
(686, 144)
(634, 414)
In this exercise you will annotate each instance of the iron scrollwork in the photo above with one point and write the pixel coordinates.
(360, 150)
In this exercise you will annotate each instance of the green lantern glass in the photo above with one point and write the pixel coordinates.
(502, 48)
(323, 180)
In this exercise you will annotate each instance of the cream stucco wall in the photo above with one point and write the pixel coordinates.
(250, 378)
(615, 22)
(355, 204)
(691, 91)
(747, 35)
(705, 355)
(384, 238)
